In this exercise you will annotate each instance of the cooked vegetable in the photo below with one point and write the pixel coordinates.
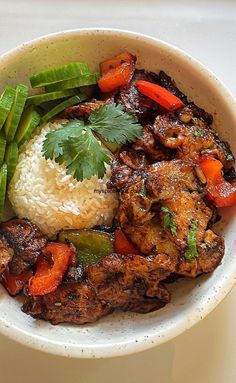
(3, 186)
(2, 148)
(88, 79)
(50, 96)
(15, 283)
(61, 73)
(123, 245)
(219, 191)
(116, 72)
(11, 158)
(91, 245)
(6, 101)
(60, 107)
(191, 254)
(47, 278)
(29, 121)
(159, 94)
(168, 221)
(16, 111)
(76, 147)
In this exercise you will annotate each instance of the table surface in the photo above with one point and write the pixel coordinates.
(207, 30)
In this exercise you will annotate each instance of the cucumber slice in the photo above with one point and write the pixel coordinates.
(3, 143)
(59, 108)
(61, 73)
(44, 97)
(3, 188)
(30, 119)
(6, 101)
(11, 159)
(14, 116)
(89, 79)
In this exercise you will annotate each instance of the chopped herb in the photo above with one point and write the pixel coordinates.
(143, 190)
(199, 133)
(169, 222)
(205, 151)
(57, 304)
(75, 145)
(191, 254)
(229, 157)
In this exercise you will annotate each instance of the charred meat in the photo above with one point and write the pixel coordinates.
(23, 241)
(71, 302)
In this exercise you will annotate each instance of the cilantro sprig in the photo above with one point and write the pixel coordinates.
(169, 222)
(76, 146)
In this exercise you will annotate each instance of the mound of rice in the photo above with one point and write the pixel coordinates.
(41, 191)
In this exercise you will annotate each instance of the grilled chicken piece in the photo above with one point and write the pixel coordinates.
(210, 254)
(84, 109)
(185, 208)
(150, 237)
(147, 144)
(122, 174)
(125, 282)
(191, 139)
(6, 253)
(25, 241)
(71, 302)
(129, 283)
(174, 186)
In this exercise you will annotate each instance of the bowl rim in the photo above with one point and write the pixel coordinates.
(108, 350)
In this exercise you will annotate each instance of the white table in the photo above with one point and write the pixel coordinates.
(207, 30)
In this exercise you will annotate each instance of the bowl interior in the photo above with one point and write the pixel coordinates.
(122, 333)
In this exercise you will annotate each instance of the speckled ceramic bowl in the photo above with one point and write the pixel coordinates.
(192, 300)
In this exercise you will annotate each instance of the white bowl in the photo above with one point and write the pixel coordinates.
(125, 333)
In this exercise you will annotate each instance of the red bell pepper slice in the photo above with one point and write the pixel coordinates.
(159, 94)
(15, 283)
(221, 192)
(116, 72)
(122, 245)
(47, 278)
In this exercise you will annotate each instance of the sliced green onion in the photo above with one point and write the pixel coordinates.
(191, 254)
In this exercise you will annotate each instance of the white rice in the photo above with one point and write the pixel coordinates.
(41, 191)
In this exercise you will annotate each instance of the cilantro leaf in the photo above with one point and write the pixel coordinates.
(168, 221)
(75, 145)
(115, 125)
(191, 254)
(199, 133)
(83, 155)
(52, 143)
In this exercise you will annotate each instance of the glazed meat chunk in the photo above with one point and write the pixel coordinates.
(190, 139)
(132, 282)
(26, 241)
(73, 302)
